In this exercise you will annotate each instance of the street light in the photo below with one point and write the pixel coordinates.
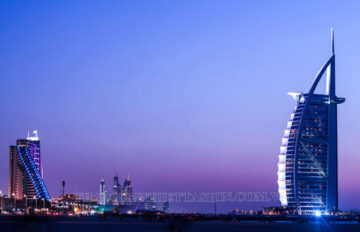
(25, 202)
(36, 202)
(14, 201)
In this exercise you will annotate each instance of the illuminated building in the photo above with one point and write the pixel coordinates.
(25, 170)
(127, 192)
(116, 196)
(307, 169)
(102, 193)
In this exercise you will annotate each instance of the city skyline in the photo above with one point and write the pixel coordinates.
(173, 94)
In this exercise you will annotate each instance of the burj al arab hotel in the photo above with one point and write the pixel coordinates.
(308, 168)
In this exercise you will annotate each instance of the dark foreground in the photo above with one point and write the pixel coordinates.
(89, 224)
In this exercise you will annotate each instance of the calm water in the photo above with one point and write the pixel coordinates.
(114, 225)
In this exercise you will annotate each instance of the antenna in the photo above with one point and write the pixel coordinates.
(332, 42)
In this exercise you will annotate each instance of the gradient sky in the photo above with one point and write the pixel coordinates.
(181, 95)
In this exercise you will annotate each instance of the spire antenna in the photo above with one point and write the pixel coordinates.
(332, 42)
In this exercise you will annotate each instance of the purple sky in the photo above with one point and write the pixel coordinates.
(182, 95)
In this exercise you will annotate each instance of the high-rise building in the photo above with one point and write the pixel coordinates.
(25, 169)
(116, 195)
(102, 193)
(127, 192)
(149, 204)
(307, 169)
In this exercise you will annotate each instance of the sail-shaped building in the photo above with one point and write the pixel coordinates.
(307, 169)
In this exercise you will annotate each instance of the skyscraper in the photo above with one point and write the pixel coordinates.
(25, 169)
(102, 193)
(127, 192)
(307, 169)
(116, 195)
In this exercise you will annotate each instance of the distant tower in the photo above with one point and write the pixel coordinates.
(102, 193)
(166, 207)
(63, 188)
(127, 192)
(116, 196)
(307, 169)
(25, 169)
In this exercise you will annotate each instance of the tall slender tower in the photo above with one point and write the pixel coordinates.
(116, 196)
(63, 188)
(102, 193)
(307, 169)
(25, 169)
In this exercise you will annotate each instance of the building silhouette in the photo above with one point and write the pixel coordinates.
(116, 195)
(307, 169)
(25, 170)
